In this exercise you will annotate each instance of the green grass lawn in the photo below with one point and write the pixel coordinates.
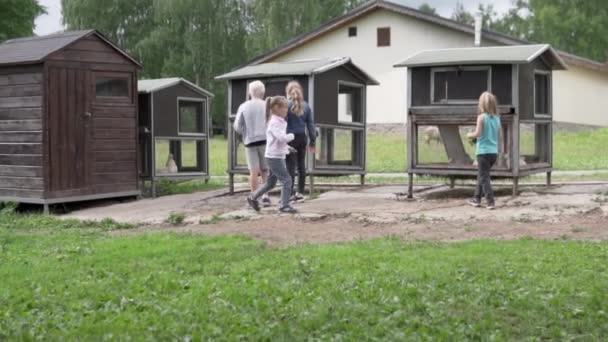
(387, 152)
(72, 281)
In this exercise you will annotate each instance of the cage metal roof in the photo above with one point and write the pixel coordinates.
(514, 54)
(296, 68)
(154, 85)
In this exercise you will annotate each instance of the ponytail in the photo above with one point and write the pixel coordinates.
(273, 101)
(294, 93)
(268, 105)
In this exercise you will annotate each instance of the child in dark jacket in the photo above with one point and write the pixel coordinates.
(299, 122)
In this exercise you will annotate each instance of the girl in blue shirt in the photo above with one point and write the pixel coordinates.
(488, 135)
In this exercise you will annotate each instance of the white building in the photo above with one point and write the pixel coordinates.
(379, 33)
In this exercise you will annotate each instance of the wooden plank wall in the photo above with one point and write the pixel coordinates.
(113, 126)
(21, 106)
(114, 149)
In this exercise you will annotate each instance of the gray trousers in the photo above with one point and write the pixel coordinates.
(278, 172)
(484, 185)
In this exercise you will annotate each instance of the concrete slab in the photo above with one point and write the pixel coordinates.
(148, 211)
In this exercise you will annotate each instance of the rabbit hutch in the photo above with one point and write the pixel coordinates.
(68, 119)
(334, 88)
(173, 130)
(443, 91)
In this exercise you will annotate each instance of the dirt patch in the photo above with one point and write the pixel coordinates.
(284, 230)
(435, 214)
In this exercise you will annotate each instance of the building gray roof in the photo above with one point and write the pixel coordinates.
(374, 5)
(514, 54)
(295, 68)
(154, 85)
(35, 49)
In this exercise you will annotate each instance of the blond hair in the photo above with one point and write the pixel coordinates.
(295, 93)
(488, 103)
(273, 102)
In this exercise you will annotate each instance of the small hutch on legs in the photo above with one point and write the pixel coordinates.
(334, 88)
(443, 90)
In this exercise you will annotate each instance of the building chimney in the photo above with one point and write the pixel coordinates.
(478, 23)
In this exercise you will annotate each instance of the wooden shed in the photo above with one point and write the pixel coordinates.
(174, 128)
(444, 87)
(334, 88)
(68, 119)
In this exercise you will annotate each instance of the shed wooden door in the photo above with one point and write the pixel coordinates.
(68, 130)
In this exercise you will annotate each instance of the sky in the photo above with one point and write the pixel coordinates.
(51, 22)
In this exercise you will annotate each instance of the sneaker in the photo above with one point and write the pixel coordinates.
(288, 210)
(253, 203)
(491, 206)
(298, 196)
(266, 202)
(475, 203)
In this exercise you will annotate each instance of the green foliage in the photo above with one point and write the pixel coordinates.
(576, 26)
(17, 18)
(71, 285)
(426, 8)
(200, 39)
(176, 218)
(460, 14)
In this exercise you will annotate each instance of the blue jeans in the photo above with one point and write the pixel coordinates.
(278, 171)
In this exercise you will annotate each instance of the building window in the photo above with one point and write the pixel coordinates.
(191, 115)
(112, 86)
(459, 85)
(352, 31)
(541, 93)
(384, 36)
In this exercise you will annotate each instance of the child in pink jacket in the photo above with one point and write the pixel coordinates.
(276, 150)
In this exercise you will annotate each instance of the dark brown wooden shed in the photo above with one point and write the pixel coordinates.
(68, 119)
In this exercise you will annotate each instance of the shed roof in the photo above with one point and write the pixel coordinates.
(514, 54)
(35, 49)
(296, 68)
(154, 85)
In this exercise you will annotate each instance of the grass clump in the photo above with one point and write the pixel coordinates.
(214, 219)
(176, 218)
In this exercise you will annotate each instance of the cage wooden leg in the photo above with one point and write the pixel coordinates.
(312, 185)
(548, 179)
(231, 184)
(410, 185)
(452, 182)
(45, 209)
(362, 180)
(153, 190)
(515, 186)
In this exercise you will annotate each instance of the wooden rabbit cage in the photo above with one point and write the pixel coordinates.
(335, 90)
(174, 128)
(443, 90)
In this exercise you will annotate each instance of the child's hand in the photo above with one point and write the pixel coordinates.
(291, 149)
